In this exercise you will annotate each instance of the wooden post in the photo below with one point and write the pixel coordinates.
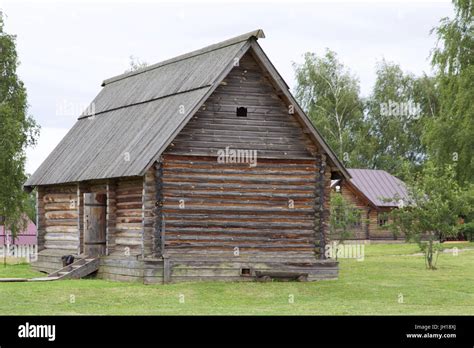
(144, 191)
(111, 216)
(162, 236)
(324, 199)
(2, 223)
(158, 227)
(81, 189)
(367, 224)
(166, 269)
(79, 219)
(40, 218)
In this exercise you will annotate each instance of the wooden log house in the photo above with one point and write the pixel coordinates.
(374, 193)
(149, 178)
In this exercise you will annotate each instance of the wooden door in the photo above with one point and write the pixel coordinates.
(95, 205)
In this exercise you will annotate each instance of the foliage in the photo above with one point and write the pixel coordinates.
(136, 64)
(343, 217)
(330, 95)
(17, 130)
(435, 203)
(396, 112)
(30, 206)
(467, 230)
(450, 135)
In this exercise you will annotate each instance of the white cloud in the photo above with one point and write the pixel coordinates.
(67, 49)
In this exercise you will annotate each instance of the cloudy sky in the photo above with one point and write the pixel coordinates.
(67, 49)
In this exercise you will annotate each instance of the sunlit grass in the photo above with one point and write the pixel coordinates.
(376, 285)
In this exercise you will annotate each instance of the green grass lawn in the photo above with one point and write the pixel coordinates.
(372, 286)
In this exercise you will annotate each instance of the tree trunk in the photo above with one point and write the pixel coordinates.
(430, 255)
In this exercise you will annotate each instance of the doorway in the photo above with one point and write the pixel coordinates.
(95, 210)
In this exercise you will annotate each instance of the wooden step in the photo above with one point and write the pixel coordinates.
(78, 269)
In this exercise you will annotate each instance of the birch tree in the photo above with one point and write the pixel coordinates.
(17, 131)
(330, 95)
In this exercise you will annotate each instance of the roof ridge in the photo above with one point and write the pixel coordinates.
(232, 41)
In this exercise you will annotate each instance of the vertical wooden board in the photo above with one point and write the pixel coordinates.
(159, 220)
(111, 217)
(40, 218)
(94, 224)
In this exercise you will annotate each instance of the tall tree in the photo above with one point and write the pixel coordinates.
(449, 136)
(17, 132)
(396, 112)
(330, 96)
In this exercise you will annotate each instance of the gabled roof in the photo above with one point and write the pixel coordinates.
(137, 114)
(379, 186)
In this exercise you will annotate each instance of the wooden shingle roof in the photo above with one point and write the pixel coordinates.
(137, 114)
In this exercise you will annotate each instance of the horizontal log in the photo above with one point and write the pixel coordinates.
(61, 222)
(269, 195)
(127, 241)
(59, 198)
(61, 237)
(261, 153)
(191, 143)
(238, 186)
(61, 206)
(173, 237)
(170, 160)
(238, 201)
(221, 169)
(128, 205)
(243, 224)
(55, 215)
(69, 229)
(129, 226)
(66, 245)
(249, 208)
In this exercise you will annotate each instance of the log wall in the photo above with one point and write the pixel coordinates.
(362, 231)
(369, 228)
(269, 127)
(378, 232)
(212, 208)
(60, 218)
(129, 212)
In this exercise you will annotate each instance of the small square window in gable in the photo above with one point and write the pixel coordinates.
(241, 111)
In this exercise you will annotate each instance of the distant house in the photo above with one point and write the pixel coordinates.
(27, 237)
(375, 193)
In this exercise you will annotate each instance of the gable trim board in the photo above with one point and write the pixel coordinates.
(70, 161)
